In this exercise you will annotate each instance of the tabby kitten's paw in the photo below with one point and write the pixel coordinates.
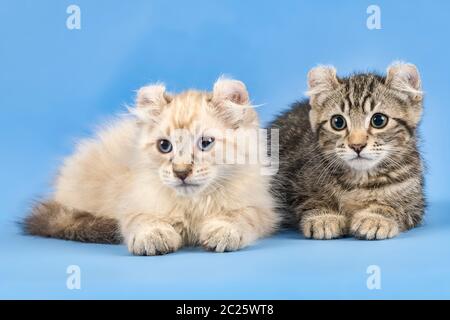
(157, 239)
(323, 226)
(220, 236)
(371, 226)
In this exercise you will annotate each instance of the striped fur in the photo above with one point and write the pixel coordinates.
(51, 219)
(327, 195)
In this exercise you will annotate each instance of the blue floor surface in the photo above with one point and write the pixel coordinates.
(286, 266)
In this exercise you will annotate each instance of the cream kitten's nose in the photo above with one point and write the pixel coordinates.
(182, 171)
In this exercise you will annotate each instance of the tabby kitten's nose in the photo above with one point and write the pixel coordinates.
(357, 147)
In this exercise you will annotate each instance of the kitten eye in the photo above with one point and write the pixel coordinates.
(338, 122)
(206, 143)
(164, 146)
(379, 120)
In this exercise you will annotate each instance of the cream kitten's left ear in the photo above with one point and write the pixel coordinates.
(150, 100)
(232, 101)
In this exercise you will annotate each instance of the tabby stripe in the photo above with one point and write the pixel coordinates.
(320, 126)
(372, 105)
(367, 93)
(363, 104)
(405, 124)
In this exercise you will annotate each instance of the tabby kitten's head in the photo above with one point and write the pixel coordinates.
(365, 119)
(183, 135)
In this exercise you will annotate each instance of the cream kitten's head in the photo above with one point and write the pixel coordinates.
(184, 135)
(366, 119)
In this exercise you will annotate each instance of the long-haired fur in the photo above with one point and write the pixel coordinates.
(119, 185)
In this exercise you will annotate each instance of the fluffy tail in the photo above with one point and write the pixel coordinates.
(51, 219)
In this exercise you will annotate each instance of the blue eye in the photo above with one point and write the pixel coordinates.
(164, 146)
(338, 122)
(379, 120)
(206, 143)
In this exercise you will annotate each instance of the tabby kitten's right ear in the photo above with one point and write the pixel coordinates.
(321, 79)
(150, 100)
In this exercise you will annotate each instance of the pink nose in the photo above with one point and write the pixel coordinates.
(357, 147)
(182, 174)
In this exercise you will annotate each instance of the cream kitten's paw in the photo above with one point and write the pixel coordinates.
(220, 236)
(371, 226)
(153, 240)
(323, 226)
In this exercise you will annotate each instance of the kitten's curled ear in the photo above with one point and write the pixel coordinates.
(230, 98)
(230, 90)
(150, 100)
(405, 78)
(321, 79)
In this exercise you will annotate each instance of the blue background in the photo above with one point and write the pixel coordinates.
(57, 84)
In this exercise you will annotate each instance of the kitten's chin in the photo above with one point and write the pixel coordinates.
(362, 164)
(188, 189)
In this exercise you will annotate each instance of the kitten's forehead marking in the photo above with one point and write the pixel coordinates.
(358, 98)
(187, 109)
(359, 90)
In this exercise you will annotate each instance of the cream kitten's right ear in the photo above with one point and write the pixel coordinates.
(230, 90)
(150, 100)
(231, 99)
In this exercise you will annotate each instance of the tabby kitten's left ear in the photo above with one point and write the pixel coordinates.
(405, 78)
(230, 98)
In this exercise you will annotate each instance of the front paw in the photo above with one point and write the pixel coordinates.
(371, 226)
(323, 226)
(157, 239)
(220, 236)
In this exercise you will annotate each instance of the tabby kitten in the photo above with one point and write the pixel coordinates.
(349, 158)
(154, 180)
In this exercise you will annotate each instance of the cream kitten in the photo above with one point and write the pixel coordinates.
(154, 180)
